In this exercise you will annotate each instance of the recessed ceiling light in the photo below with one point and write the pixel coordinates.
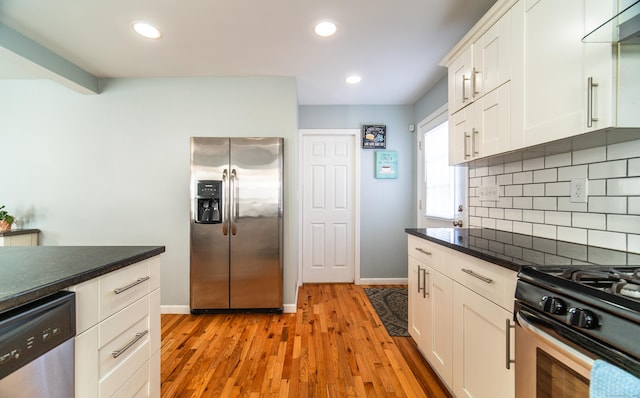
(146, 30)
(325, 29)
(354, 79)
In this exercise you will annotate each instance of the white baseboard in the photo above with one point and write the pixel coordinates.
(383, 281)
(175, 309)
(290, 308)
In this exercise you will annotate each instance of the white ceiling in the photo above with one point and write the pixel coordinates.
(394, 44)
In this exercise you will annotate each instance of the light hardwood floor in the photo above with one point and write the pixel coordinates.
(333, 346)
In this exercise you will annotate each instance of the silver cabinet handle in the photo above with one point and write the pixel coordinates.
(473, 141)
(474, 90)
(121, 351)
(466, 138)
(138, 281)
(225, 205)
(421, 250)
(464, 91)
(482, 278)
(425, 292)
(508, 327)
(420, 269)
(234, 201)
(590, 85)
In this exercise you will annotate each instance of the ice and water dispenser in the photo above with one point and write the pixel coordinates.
(208, 202)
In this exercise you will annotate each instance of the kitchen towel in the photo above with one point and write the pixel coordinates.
(609, 381)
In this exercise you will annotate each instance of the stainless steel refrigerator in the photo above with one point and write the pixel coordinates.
(236, 224)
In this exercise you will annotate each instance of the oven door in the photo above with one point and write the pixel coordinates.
(548, 364)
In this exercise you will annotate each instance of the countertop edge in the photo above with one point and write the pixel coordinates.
(14, 232)
(482, 256)
(44, 290)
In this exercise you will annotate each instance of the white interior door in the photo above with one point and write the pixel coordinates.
(329, 193)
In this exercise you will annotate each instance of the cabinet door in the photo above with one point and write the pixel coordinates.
(492, 58)
(554, 86)
(481, 334)
(439, 347)
(490, 133)
(459, 81)
(460, 125)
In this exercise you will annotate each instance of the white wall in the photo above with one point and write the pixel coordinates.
(113, 169)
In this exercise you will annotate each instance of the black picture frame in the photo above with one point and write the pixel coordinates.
(374, 136)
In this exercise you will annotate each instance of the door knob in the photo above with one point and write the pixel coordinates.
(457, 223)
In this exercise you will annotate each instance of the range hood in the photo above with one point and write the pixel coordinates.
(624, 27)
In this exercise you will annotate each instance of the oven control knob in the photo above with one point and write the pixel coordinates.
(582, 318)
(553, 305)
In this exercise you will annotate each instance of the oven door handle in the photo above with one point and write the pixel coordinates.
(547, 336)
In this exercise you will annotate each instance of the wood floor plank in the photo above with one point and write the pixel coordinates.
(334, 346)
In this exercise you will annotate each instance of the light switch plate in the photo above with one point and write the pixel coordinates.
(489, 193)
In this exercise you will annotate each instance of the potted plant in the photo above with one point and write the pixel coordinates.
(6, 220)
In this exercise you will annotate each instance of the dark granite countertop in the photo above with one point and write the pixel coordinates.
(513, 251)
(29, 273)
(19, 232)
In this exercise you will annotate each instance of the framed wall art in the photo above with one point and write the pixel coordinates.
(374, 136)
(386, 164)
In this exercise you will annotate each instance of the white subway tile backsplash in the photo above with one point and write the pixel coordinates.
(546, 175)
(609, 240)
(523, 203)
(534, 198)
(634, 205)
(623, 150)
(569, 173)
(505, 179)
(533, 164)
(589, 221)
(544, 231)
(534, 216)
(608, 204)
(563, 159)
(633, 243)
(533, 190)
(557, 218)
(545, 203)
(623, 223)
(597, 187)
(617, 168)
(591, 155)
(525, 177)
(522, 228)
(565, 204)
(634, 167)
(624, 186)
(574, 235)
(513, 167)
(513, 214)
(558, 189)
(513, 190)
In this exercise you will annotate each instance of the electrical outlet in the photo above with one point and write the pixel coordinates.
(579, 190)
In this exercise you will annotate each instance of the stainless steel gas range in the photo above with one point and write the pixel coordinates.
(569, 319)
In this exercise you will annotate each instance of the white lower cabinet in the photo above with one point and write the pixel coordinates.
(460, 315)
(118, 333)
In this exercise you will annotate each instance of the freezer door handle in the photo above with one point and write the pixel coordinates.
(225, 175)
(234, 201)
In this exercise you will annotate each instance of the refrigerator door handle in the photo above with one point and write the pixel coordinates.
(224, 205)
(234, 200)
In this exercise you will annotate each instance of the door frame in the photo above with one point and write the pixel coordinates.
(355, 134)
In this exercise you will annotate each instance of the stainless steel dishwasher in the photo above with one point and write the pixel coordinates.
(37, 348)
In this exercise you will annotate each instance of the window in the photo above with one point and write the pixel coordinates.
(439, 176)
(442, 189)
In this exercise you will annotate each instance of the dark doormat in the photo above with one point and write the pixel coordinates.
(391, 305)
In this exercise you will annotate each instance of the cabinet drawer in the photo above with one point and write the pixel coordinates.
(128, 333)
(491, 281)
(136, 387)
(428, 253)
(121, 288)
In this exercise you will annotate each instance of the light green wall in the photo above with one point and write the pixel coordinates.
(113, 168)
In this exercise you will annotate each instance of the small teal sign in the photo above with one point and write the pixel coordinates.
(386, 164)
